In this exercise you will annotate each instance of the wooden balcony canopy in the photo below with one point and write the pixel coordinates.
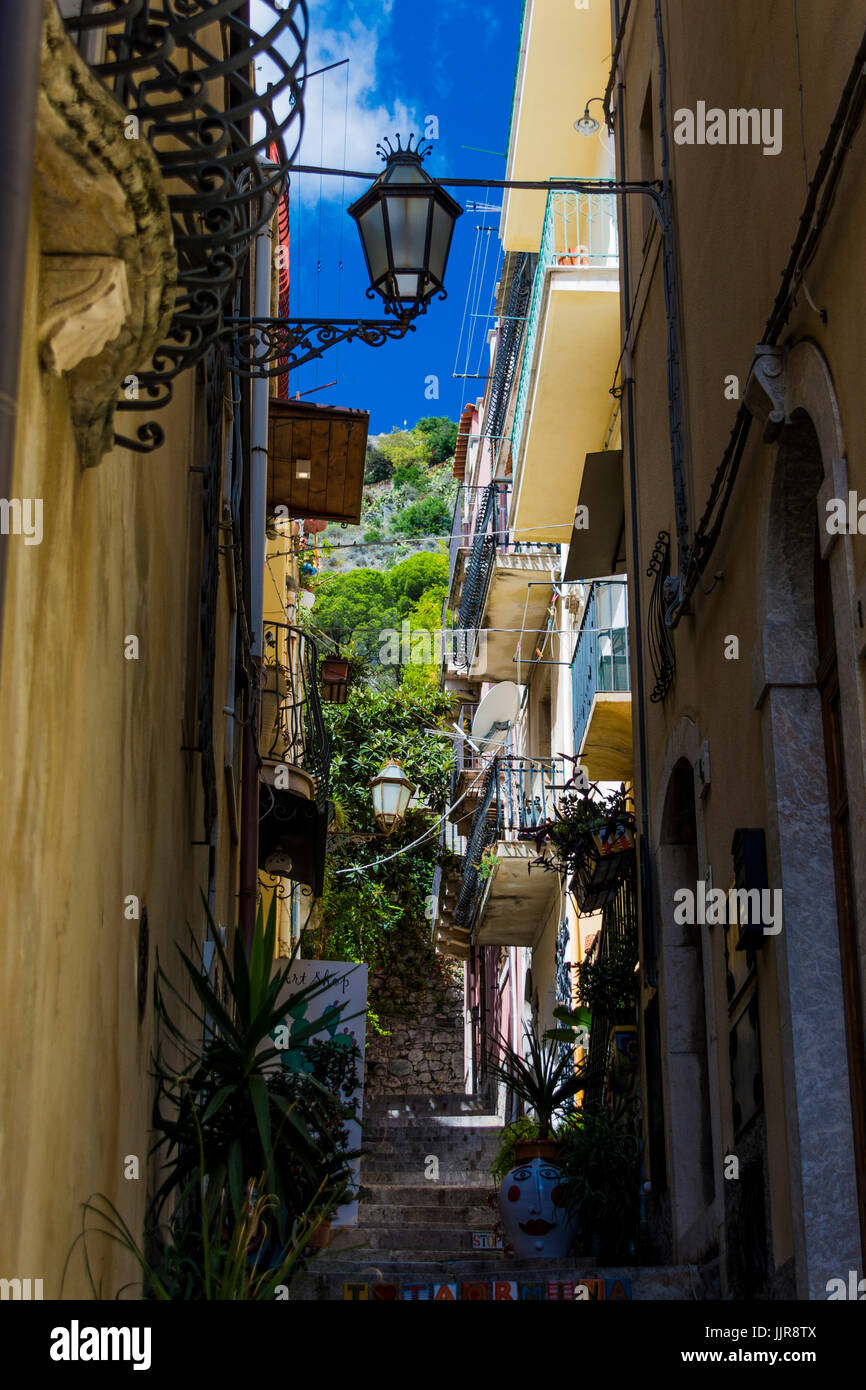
(316, 459)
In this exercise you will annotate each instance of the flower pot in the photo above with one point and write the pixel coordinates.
(334, 679)
(531, 1204)
(525, 1149)
(321, 1236)
(605, 858)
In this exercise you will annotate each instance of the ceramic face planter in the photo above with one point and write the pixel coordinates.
(531, 1202)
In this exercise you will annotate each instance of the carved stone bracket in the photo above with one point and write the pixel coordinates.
(83, 304)
(765, 389)
(108, 260)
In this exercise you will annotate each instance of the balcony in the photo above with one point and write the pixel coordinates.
(499, 902)
(563, 60)
(500, 588)
(563, 403)
(295, 753)
(601, 685)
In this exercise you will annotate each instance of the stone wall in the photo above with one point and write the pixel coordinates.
(418, 997)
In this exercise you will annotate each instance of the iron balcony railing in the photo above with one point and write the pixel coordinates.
(480, 524)
(516, 795)
(617, 942)
(186, 71)
(600, 661)
(579, 230)
(292, 727)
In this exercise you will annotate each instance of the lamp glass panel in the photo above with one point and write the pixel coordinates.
(407, 219)
(407, 286)
(372, 227)
(440, 241)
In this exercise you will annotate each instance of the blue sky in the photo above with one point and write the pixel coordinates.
(408, 61)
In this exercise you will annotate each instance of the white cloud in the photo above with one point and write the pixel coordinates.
(337, 135)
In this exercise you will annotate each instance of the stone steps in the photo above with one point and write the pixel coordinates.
(432, 1194)
(461, 1213)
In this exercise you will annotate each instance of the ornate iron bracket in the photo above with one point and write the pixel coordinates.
(661, 646)
(271, 347)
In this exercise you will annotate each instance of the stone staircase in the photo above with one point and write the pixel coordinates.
(425, 1177)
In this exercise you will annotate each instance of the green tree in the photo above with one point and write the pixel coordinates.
(378, 468)
(368, 909)
(441, 434)
(429, 516)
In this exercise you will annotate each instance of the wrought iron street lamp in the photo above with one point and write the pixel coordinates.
(391, 792)
(406, 222)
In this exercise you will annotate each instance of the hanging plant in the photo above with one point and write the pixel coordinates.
(590, 840)
(488, 863)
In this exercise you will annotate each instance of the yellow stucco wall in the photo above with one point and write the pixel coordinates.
(99, 803)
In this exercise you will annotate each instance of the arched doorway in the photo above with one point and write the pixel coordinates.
(804, 851)
(683, 1034)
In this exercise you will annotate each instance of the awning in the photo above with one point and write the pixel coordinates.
(597, 545)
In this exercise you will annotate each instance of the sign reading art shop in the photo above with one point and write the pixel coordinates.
(342, 1011)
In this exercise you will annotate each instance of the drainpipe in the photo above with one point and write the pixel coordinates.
(20, 41)
(647, 914)
(258, 500)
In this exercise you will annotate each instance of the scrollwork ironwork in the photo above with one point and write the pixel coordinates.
(661, 646)
(185, 69)
(271, 347)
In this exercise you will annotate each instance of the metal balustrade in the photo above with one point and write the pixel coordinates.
(480, 524)
(292, 728)
(600, 661)
(517, 794)
(579, 229)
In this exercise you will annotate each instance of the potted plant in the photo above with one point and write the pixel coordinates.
(537, 1224)
(541, 1079)
(599, 1160)
(591, 840)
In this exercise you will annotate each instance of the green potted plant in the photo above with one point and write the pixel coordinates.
(542, 1080)
(599, 1157)
(591, 840)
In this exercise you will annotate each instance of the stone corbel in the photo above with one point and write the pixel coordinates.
(108, 264)
(765, 390)
(83, 304)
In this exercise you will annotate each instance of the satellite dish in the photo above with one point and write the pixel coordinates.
(495, 715)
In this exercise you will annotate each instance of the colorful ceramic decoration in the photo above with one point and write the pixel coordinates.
(473, 1293)
(385, 1293)
(589, 1291)
(531, 1202)
(445, 1292)
(356, 1293)
(532, 1291)
(505, 1291)
(416, 1293)
(617, 1288)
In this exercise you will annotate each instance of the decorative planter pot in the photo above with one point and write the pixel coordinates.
(606, 857)
(334, 679)
(321, 1236)
(548, 1149)
(531, 1197)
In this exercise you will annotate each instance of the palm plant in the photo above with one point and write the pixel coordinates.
(229, 1107)
(543, 1079)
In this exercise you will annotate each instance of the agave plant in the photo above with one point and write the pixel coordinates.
(542, 1078)
(228, 1108)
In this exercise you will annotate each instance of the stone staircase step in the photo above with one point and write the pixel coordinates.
(451, 1174)
(428, 1194)
(325, 1280)
(455, 1239)
(477, 1216)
